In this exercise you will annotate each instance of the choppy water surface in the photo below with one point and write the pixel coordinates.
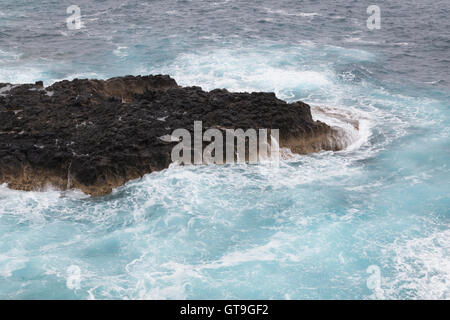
(311, 228)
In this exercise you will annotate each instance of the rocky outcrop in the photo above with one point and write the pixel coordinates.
(96, 135)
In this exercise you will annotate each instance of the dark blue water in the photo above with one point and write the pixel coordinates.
(371, 221)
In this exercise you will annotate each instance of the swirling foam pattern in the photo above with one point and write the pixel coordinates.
(309, 228)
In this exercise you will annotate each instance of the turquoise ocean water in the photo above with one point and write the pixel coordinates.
(324, 225)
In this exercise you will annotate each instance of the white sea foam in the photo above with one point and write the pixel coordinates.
(269, 78)
(421, 268)
(246, 70)
(355, 124)
(291, 13)
(20, 75)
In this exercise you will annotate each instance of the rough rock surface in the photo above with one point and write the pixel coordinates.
(96, 135)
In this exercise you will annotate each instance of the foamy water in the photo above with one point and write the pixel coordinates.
(313, 227)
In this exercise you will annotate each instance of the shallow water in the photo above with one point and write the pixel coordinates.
(315, 227)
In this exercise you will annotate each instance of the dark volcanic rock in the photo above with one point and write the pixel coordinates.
(96, 135)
